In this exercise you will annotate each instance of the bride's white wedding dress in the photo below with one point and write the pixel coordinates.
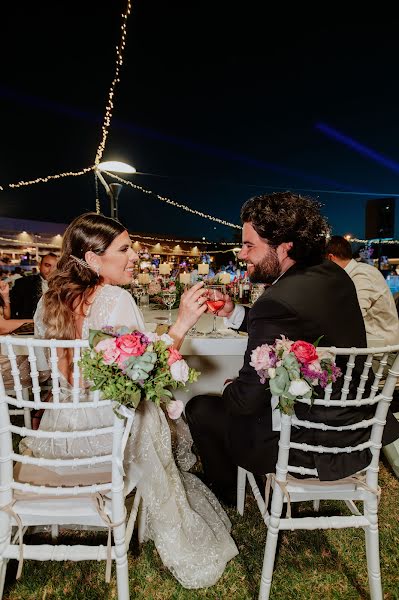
(190, 529)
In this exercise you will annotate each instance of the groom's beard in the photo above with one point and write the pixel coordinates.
(267, 270)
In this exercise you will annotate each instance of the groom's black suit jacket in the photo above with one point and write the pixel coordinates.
(305, 303)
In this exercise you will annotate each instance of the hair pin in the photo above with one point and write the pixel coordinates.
(82, 262)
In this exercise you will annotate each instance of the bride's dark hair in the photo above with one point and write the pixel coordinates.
(73, 281)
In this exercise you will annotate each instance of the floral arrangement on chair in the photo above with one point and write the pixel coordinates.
(294, 369)
(129, 366)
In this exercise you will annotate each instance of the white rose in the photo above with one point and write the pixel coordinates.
(271, 372)
(174, 408)
(179, 371)
(152, 336)
(167, 339)
(299, 387)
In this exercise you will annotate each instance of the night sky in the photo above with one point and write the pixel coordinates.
(214, 108)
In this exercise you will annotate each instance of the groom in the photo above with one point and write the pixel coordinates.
(283, 239)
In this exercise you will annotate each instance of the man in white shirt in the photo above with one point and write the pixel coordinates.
(375, 298)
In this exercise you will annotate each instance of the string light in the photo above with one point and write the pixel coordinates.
(173, 202)
(29, 243)
(98, 205)
(50, 177)
(110, 104)
(150, 237)
(374, 241)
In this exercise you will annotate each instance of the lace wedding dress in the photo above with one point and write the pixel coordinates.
(190, 529)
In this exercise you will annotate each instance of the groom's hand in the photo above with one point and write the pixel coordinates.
(227, 308)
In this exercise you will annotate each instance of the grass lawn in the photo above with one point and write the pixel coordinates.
(310, 564)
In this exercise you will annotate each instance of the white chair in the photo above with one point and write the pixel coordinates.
(361, 487)
(34, 493)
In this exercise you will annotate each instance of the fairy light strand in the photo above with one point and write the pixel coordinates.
(50, 177)
(202, 242)
(110, 103)
(98, 205)
(173, 202)
(374, 241)
(29, 243)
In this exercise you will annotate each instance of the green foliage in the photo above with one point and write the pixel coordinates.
(145, 377)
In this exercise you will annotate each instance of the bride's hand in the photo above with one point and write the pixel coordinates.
(192, 306)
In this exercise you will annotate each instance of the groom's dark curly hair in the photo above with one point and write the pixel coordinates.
(288, 217)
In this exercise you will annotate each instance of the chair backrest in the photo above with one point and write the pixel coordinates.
(367, 381)
(65, 397)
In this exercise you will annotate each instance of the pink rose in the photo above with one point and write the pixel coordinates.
(130, 345)
(304, 351)
(179, 371)
(108, 348)
(262, 358)
(174, 355)
(174, 409)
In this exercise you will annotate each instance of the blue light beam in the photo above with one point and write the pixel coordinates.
(351, 143)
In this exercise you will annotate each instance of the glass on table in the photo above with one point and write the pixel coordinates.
(169, 298)
(215, 301)
(137, 291)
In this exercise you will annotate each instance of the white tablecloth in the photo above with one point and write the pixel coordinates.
(218, 359)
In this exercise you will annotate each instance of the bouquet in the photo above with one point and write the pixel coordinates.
(294, 369)
(129, 366)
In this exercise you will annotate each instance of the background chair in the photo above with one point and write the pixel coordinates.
(360, 487)
(66, 492)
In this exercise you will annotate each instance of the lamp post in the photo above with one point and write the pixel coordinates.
(113, 189)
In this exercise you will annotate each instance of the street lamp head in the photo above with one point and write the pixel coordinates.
(114, 166)
(113, 189)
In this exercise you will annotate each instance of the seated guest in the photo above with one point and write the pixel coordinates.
(284, 238)
(7, 326)
(27, 291)
(375, 298)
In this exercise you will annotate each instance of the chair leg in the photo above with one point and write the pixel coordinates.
(3, 570)
(268, 561)
(122, 572)
(142, 518)
(373, 549)
(54, 532)
(271, 544)
(241, 485)
(132, 517)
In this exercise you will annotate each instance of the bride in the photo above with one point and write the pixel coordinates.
(190, 529)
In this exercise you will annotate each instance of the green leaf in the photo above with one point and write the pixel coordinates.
(317, 342)
(96, 335)
(279, 383)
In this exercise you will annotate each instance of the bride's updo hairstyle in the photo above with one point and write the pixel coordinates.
(74, 280)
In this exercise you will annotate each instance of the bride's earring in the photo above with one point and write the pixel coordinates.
(97, 270)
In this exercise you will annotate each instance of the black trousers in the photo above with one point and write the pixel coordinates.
(207, 419)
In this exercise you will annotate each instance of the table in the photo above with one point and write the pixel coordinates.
(218, 359)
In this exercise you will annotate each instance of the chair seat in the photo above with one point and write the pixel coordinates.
(311, 489)
(51, 510)
(67, 476)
